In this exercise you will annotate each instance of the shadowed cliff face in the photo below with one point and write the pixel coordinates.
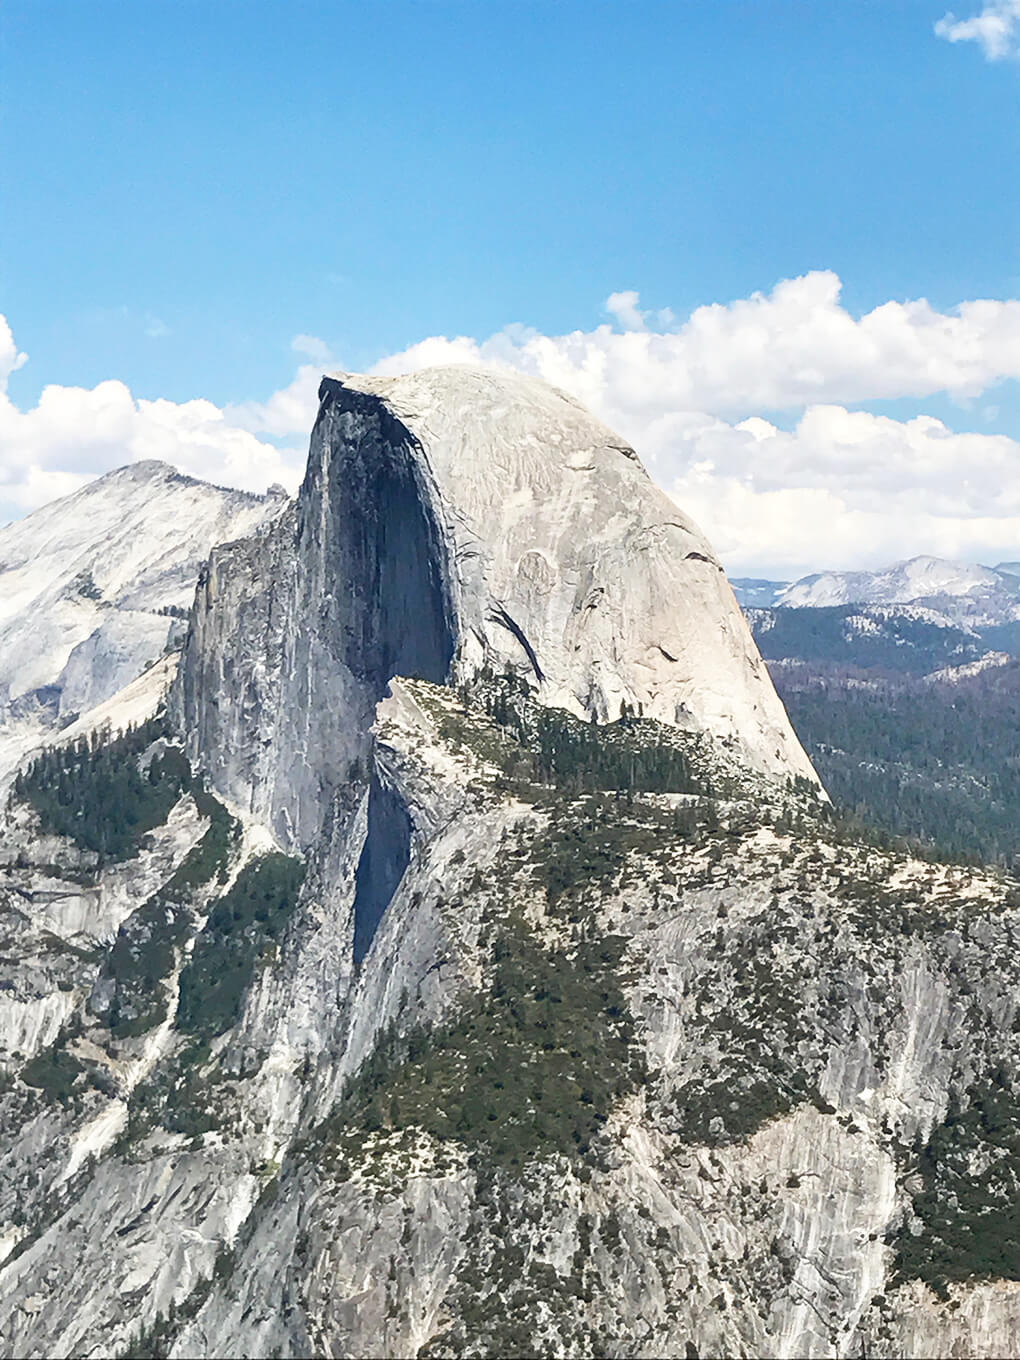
(295, 635)
(384, 858)
(386, 609)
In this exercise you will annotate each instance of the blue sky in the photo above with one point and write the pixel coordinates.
(188, 187)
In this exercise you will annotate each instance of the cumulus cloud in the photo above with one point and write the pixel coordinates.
(741, 411)
(770, 352)
(73, 434)
(842, 488)
(624, 306)
(290, 411)
(996, 29)
(10, 359)
(312, 348)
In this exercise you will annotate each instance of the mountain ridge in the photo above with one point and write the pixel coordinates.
(368, 1000)
(95, 585)
(963, 592)
(516, 534)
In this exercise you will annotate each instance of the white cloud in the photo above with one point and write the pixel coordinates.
(290, 411)
(10, 359)
(996, 29)
(769, 352)
(312, 348)
(842, 488)
(73, 434)
(624, 306)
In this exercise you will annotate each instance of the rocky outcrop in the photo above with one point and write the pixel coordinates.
(450, 521)
(804, 1017)
(96, 586)
(546, 1036)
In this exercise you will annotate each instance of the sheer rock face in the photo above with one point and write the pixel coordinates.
(800, 1013)
(448, 520)
(95, 586)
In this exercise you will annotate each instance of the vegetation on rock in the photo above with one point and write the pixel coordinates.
(968, 1211)
(242, 930)
(144, 953)
(500, 721)
(533, 1065)
(95, 790)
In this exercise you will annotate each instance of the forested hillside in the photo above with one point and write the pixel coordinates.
(889, 640)
(933, 760)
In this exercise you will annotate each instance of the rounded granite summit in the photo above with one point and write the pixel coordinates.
(451, 521)
(566, 557)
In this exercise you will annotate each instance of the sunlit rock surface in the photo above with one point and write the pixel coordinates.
(98, 585)
(450, 520)
(434, 1019)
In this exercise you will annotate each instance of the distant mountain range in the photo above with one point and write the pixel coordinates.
(963, 593)
(904, 685)
(895, 640)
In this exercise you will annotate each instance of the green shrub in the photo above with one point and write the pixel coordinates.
(94, 791)
(144, 953)
(970, 1218)
(533, 1066)
(536, 745)
(54, 1072)
(242, 928)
